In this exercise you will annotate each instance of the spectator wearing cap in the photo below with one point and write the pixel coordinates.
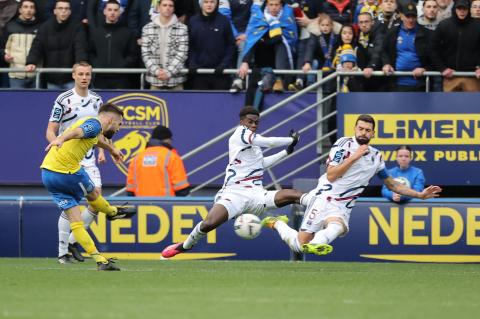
(158, 170)
(475, 9)
(348, 63)
(455, 46)
(405, 49)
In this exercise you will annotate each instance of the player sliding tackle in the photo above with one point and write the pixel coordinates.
(350, 166)
(68, 182)
(242, 190)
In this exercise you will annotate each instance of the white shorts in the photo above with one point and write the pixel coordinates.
(238, 201)
(94, 174)
(321, 209)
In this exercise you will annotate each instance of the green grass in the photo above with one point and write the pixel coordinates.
(41, 288)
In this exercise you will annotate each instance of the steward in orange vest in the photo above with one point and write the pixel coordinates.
(158, 170)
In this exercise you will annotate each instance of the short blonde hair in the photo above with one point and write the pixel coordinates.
(81, 63)
(324, 16)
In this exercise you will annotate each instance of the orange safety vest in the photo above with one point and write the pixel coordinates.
(157, 171)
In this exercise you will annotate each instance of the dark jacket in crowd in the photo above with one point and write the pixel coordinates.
(455, 44)
(58, 46)
(112, 46)
(314, 51)
(389, 52)
(381, 26)
(211, 42)
(369, 56)
(340, 12)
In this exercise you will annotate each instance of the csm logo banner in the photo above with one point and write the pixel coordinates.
(142, 112)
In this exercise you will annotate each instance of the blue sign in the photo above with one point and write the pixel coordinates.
(195, 119)
(443, 129)
(440, 230)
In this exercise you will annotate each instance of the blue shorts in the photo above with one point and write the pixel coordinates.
(67, 189)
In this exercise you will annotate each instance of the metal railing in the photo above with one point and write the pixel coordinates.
(141, 71)
(427, 75)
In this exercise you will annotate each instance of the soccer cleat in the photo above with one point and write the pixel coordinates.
(271, 220)
(109, 266)
(66, 259)
(74, 249)
(123, 212)
(173, 250)
(317, 249)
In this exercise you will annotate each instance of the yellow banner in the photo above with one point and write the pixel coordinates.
(421, 129)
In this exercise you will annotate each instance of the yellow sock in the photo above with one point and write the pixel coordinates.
(84, 239)
(101, 205)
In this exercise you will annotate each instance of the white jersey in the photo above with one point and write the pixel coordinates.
(246, 162)
(70, 107)
(349, 186)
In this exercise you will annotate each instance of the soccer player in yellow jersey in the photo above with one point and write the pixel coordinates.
(68, 182)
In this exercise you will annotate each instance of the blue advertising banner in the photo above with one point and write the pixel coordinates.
(440, 230)
(437, 231)
(157, 225)
(10, 228)
(443, 129)
(195, 118)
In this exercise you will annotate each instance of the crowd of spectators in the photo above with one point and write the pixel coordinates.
(166, 36)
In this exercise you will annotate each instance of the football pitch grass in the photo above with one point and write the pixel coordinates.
(41, 288)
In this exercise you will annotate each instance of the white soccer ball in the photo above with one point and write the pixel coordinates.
(247, 226)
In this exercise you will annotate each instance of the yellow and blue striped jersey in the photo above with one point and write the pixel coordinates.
(66, 159)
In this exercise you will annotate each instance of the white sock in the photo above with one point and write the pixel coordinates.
(63, 233)
(88, 217)
(288, 235)
(327, 235)
(306, 198)
(194, 237)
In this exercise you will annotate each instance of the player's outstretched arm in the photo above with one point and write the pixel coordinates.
(429, 192)
(104, 143)
(263, 141)
(69, 135)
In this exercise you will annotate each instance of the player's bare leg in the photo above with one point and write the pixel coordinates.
(307, 242)
(286, 197)
(217, 215)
